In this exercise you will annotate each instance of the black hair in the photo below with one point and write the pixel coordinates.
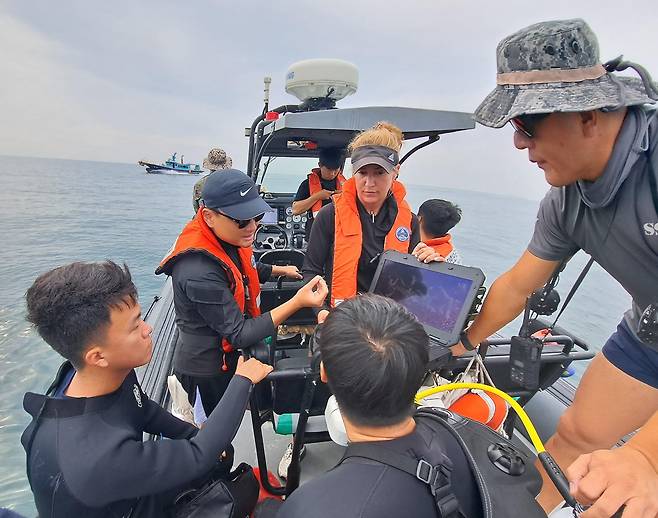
(375, 355)
(332, 157)
(438, 217)
(70, 305)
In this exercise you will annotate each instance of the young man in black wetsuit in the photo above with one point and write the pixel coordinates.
(374, 356)
(85, 453)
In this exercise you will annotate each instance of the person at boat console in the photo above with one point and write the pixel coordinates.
(595, 137)
(322, 182)
(85, 450)
(216, 284)
(369, 216)
(374, 358)
(437, 218)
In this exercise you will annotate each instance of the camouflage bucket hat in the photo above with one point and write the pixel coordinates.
(217, 159)
(555, 67)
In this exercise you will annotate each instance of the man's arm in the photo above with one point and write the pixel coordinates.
(160, 422)
(301, 206)
(507, 297)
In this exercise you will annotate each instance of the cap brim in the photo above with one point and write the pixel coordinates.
(506, 102)
(372, 160)
(248, 209)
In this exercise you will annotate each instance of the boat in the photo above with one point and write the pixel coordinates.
(294, 132)
(172, 166)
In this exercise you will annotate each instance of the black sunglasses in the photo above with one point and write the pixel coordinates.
(242, 223)
(527, 124)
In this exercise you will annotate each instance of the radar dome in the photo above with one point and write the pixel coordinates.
(322, 79)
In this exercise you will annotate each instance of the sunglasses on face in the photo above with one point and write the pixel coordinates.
(527, 124)
(242, 223)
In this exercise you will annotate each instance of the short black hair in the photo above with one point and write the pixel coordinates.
(70, 305)
(438, 217)
(375, 354)
(332, 157)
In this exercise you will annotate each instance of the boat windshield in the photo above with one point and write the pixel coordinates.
(284, 174)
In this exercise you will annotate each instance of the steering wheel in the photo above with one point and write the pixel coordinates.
(271, 237)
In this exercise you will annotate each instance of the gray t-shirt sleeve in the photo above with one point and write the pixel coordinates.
(550, 241)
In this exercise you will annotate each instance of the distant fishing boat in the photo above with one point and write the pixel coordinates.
(172, 166)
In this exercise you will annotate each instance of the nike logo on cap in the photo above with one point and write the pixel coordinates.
(245, 192)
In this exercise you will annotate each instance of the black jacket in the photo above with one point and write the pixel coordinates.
(320, 253)
(206, 312)
(86, 456)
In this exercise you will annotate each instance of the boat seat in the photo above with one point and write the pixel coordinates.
(287, 392)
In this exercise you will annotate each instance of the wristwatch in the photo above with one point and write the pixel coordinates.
(463, 337)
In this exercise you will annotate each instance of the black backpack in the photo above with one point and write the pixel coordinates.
(506, 477)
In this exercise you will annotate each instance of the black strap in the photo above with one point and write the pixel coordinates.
(437, 477)
(652, 181)
(575, 286)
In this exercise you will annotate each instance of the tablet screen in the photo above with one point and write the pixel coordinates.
(435, 298)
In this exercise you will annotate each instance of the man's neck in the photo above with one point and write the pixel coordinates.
(356, 433)
(94, 382)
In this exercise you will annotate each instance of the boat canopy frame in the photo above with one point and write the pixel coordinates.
(337, 127)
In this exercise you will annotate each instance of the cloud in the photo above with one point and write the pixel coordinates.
(128, 80)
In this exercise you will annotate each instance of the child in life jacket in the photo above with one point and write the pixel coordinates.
(437, 218)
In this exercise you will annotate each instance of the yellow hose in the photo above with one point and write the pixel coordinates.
(532, 432)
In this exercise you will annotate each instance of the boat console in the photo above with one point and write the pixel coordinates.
(280, 229)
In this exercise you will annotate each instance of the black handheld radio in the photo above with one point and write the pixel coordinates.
(525, 356)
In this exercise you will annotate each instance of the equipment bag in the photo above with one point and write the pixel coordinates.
(232, 497)
(506, 478)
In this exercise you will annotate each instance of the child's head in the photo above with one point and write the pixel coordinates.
(437, 217)
(89, 313)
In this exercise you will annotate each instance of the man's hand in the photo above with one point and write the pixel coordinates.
(323, 194)
(290, 271)
(252, 369)
(426, 254)
(312, 294)
(322, 316)
(612, 478)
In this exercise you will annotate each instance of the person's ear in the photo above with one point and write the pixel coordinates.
(207, 216)
(323, 373)
(95, 357)
(590, 121)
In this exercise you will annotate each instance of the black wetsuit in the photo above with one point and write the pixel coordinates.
(206, 312)
(361, 488)
(86, 456)
(320, 253)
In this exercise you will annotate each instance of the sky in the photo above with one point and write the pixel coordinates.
(122, 81)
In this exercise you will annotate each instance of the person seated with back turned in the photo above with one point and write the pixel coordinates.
(85, 450)
(322, 182)
(374, 358)
(216, 284)
(436, 218)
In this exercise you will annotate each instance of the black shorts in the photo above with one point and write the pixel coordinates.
(626, 352)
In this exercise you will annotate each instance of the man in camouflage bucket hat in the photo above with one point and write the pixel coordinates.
(595, 136)
(216, 160)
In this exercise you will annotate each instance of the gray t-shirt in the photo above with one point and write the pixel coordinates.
(614, 218)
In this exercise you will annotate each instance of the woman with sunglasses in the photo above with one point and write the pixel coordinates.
(216, 284)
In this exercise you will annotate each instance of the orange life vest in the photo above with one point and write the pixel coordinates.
(348, 238)
(198, 237)
(314, 186)
(442, 245)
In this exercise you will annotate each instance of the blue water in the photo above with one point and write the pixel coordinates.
(56, 211)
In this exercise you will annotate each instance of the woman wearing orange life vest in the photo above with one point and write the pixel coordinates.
(369, 216)
(216, 287)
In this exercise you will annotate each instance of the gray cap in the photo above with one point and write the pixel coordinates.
(555, 67)
(379, 155)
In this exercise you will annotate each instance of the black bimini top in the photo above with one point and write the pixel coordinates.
(335, 128)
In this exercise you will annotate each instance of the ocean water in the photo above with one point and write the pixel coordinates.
(57, 211)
